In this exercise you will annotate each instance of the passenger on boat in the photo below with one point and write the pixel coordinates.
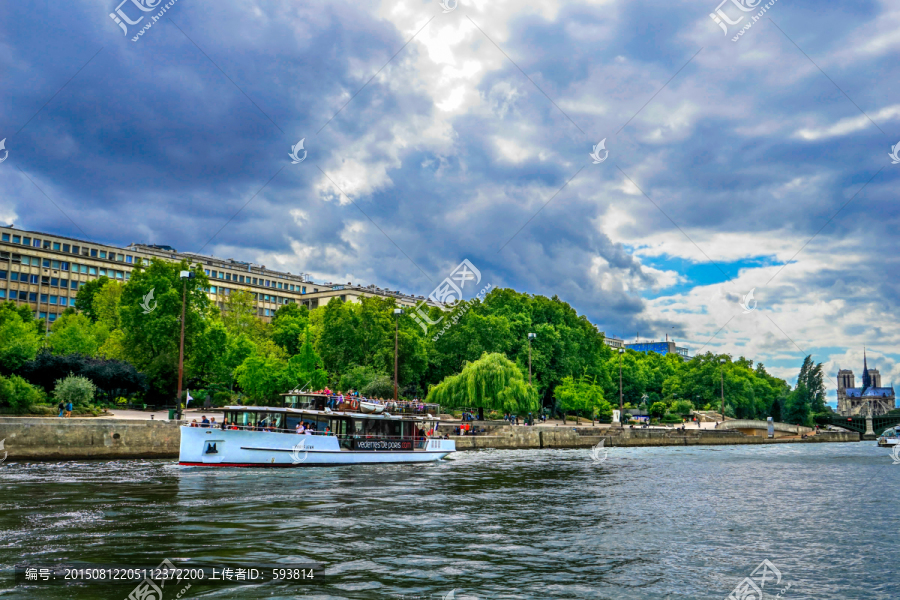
(309, 430)
(328, 430)
(204, 422)
(300, 428)
(194, 423)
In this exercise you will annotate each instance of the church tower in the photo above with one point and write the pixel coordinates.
(867, 379)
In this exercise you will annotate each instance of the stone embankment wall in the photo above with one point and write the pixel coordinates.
(27, 438)
(585, 437)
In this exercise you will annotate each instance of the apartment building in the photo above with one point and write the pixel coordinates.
(44, 272)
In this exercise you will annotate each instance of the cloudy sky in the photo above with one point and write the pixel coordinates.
(434, 133)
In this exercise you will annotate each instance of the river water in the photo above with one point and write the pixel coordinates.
(655, 523)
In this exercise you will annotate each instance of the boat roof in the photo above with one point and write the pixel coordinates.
(331, 413)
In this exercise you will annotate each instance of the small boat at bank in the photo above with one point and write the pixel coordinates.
(336, 433)
(890, 437)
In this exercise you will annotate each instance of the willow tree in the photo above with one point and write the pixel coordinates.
(492, 382)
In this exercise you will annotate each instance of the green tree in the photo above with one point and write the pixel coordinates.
(288, 325)
(84, 301)
(19, 339)
(239, 314)
(357, 378)
(73, 333)
(681, 408)
(796, 408)
(492, 382)
(75, 389)
(583, 398)
(658, 410)
(306, 366)
(814, 381)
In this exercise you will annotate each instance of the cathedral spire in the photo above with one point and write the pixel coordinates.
(866, 381)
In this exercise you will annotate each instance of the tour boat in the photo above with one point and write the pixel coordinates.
(338, 433)
(890, 437)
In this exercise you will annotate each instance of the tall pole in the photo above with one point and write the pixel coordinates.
(396, 347)
(722, 374)
(621, 405)
(181, 347)
(529, 360)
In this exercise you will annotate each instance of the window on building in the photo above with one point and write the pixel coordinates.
(54, 264)
(45, 279)
(63, 301)
(63, 266)
(2, 293)
(56, 246)
(213, 275)
(254, 281)
(43, 315)
(92, 270)
(45, 263)
(63, 283)
(102, 272)
(129, 258)
(227, 276)
(84, 268)
(221, 275)
(43, 298)
(212, 289)
(14, 276)
(303, 290)
(53, 300)
(120, 257)
(206, 271)
(5, 237)
(36, 243)
(241, 279)
(73, 284)
(3, 274)
(46, 245)
(103, 254)
(93, 253)
(127, 276)
(32, 297)
(76, 250)
(315, 289)
(26, 241)
(66, 248)
(17, 239)
(52, 317)
(120, 274)
(85, 251)
(54, 281)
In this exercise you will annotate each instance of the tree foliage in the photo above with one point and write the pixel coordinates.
(582, 397)
(491, 382)
(75, 389)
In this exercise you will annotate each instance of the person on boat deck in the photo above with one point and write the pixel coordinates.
(194, 423)
(213, 423)
(328, 430)
(300, 428)
(308, 430)
(204, 422)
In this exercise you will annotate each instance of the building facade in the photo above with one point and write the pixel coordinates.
(870, 398)
(44, 272)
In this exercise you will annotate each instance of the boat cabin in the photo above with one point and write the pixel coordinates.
(321, 402)
(354, 431)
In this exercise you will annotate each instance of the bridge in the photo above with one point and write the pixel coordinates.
(753, 427)
(879, 423)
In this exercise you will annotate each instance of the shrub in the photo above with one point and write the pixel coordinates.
(75, 389)
(381, 387)
(17, 394)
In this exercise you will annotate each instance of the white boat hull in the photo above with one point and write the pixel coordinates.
(242, 448)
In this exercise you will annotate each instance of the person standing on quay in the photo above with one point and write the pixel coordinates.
(69, 408)
(62, 409)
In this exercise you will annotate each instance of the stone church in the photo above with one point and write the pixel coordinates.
(853, 401)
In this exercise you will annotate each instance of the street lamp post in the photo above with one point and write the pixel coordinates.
(184, 276)
(621, 404)
(531, 336)
(397, 313)
(722, 376)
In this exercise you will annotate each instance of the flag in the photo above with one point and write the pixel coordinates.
(188, 399)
